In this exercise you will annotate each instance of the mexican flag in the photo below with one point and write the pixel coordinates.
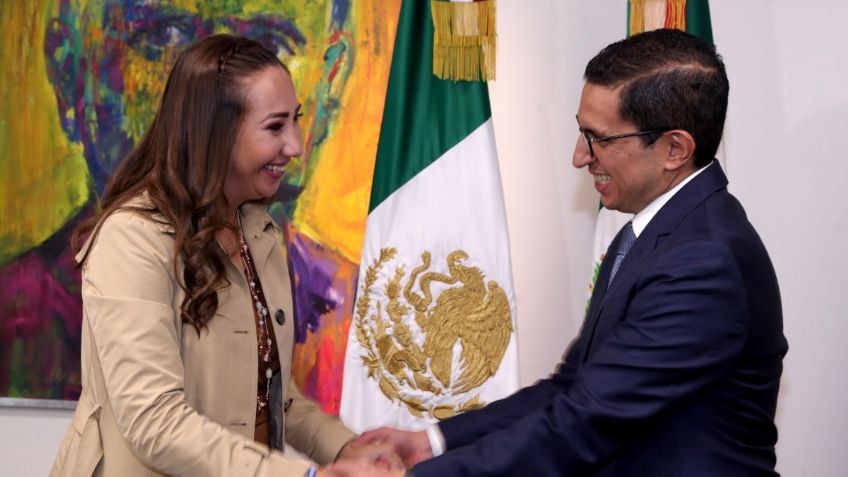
(433, 329)
(692, 16)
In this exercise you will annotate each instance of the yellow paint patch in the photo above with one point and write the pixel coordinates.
(44, 178)
(334, 206)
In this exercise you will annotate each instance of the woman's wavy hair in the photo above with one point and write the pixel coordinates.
(182, 161)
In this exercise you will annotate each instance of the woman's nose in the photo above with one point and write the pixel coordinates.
(293, 143)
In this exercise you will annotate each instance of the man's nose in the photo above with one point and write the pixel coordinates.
(581, 157)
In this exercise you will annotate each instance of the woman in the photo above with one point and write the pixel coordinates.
(187, 330)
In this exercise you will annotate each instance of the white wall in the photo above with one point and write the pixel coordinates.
(29, 439)
(786, 160)
(551, 208)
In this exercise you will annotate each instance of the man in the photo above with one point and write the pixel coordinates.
(676, 369)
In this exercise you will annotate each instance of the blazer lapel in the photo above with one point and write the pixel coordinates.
(260, 233)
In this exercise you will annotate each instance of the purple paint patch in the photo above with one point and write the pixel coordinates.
(312, 274)
(41, 318)
(31, 297)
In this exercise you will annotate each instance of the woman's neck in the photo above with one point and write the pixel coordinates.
(232, 215)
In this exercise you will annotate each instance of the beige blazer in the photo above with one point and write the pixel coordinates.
(157, 399)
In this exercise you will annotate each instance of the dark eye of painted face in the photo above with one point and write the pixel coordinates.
(278, 35)
(152, 31)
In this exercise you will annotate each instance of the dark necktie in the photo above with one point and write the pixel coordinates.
(628, 238)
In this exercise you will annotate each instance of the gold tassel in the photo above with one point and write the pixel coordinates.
(676, 16)
(655, 14)
(637, 16)
(464, 40)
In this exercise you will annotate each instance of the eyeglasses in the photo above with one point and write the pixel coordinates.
(589, 139)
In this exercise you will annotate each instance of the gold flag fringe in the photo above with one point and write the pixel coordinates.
(464, 40)
(655, 14)
(637, 16)
(676, 16)
(651, 14)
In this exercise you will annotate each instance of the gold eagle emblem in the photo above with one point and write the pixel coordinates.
(427, 351)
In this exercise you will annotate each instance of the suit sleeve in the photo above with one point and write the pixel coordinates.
(128, 293)
(468, 427)
(683, 328)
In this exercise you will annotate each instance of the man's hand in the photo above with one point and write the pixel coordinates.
(381, 455)
(412, 447)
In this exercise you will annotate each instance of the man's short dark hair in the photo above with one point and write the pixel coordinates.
(668, 79)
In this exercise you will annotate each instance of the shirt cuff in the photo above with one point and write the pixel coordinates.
(437, 440)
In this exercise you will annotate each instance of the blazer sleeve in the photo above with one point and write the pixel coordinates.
(311, 431)
(128, 291)
(683, 328)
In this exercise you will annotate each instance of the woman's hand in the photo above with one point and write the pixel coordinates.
(411, 446)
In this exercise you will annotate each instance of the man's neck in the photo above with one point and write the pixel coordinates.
(644, 216)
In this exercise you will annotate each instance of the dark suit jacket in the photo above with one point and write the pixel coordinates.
(675, 371)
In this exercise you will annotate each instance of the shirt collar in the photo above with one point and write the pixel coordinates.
(641, 220)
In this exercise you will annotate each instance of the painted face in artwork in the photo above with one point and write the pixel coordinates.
(108, 62)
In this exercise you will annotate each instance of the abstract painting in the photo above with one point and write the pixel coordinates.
(82, 81)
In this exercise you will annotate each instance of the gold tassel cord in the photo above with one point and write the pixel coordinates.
(676, 16)
(464, 40)
(646, 15)
(637, 16)
(655, 14)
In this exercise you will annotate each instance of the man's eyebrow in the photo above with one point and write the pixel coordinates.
(585, 129)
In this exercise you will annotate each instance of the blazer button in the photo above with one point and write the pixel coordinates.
(281, 317)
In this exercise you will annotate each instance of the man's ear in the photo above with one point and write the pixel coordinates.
(680, 149)
(61, 51)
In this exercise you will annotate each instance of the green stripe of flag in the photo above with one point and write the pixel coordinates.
(424, 116)
(698, 20)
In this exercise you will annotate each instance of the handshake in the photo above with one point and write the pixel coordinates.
(382, 452)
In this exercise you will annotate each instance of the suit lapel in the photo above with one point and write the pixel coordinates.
(661, 226)
(599, 294)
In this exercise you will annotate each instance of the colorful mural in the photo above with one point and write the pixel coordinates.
(81, 83)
